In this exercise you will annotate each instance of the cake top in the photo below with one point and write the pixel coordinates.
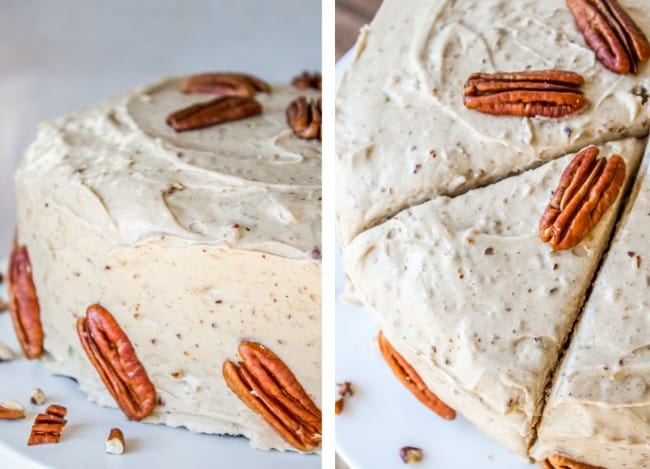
(250, 183)
(403, 133)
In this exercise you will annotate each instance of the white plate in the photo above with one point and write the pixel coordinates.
(82, 444)
(383, 416)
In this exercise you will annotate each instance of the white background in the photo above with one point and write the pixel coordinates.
(58, 55)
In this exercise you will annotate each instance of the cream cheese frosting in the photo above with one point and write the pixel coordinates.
(465, 290)
(598, 411)
(194, 241)
(402, 132)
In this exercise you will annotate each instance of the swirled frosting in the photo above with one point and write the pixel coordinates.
(216, 186)
(403, 134)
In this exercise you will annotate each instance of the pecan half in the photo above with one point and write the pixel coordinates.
(47, 427)
(225, 84)
(588, 187)
(611, 33)
(547, 93)
(308, 80)
(304, 117)
(268, 387)
(217, 111)
(558, 461)
(23, 303)
(411, 379)
(111, 353)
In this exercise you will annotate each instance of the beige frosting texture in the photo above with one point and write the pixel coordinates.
(403, 134)
(599, 409)
(194, 241)
(476, 303)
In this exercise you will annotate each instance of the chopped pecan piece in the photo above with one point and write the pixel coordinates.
(115, 443)
(23, 303)
(304, 117)
(308, 80)
(611, 33)
(268, 387)
(546, 93)
(411, 379)
(225, 84)
(588, 187)
(217, 111)
(410, 454)
(559, 461)
(48, 426)
(11, 410)
(111, 353)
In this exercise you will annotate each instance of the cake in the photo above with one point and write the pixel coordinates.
(402, 132)
(462, 230)
(598, 410)
(167, 255)
(467, 293)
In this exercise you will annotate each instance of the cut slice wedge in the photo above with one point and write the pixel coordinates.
(598, 411)
(465, 290)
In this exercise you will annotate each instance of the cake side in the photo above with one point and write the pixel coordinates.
(599, 407)
(195, 242)
(465, 290)
(403, 134)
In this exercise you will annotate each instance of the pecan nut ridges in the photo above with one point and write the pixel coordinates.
(588, 187)
(23, 303)
(111, 353)
(225, 84)
(218, 111)
(411, 379)
(304, 117)
(268, 387)
(546, 93)
(611, 33)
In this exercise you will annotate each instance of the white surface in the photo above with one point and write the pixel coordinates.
(58, 56)
(383, 416)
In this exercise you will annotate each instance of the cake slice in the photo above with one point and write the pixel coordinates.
(403, 133)
(467, 293)
(598, 411)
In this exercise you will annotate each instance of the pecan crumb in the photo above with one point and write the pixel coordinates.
(410, 454)
(338, 406)
(433, 153)
(638, 262)
(631, 253)
(345, 389)
(37, 397)
(418, 167)
(488, 251)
